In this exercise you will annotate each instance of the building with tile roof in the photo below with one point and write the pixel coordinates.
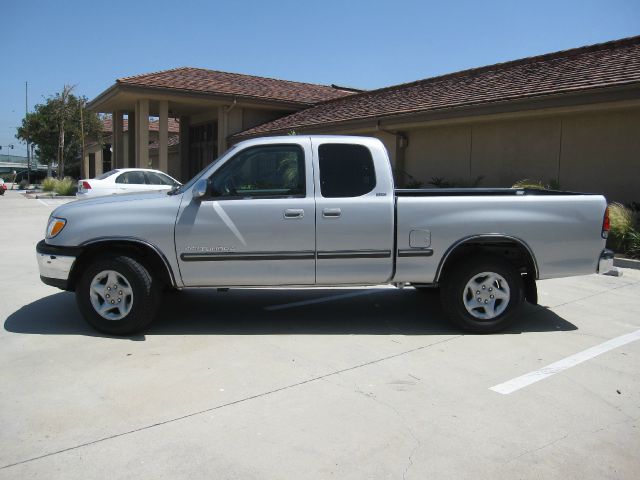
(569, 117)
(209, 106)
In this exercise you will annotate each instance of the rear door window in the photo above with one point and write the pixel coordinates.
(345, 170)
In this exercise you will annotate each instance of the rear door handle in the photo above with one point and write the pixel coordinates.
(331, 212)
(293, 213)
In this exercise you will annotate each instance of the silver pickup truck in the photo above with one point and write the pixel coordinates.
(319, 211)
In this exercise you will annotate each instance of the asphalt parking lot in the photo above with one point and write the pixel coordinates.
(332, 383)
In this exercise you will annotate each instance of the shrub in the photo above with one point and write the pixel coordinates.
(49, 184)
(24, 184)
(66, 186)
(633, 244)
(621, 219)
(526, 183)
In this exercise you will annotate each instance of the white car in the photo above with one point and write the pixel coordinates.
(125, 180)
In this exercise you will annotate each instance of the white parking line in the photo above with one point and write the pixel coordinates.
(323, 299)
(561, 365)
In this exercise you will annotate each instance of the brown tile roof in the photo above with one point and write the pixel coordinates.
(604, 65)
(154, 126)
(172, 141)
(235, 84)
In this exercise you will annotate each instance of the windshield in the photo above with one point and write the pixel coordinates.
(197, 176)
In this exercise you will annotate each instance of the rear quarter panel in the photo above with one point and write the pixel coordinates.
(563, 232)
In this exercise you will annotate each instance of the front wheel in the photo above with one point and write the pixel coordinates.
(117, 295)
(482, 295)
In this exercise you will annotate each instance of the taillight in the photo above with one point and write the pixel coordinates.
(86, 185)
(606, 224)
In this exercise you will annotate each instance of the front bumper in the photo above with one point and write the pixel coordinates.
(605, 264)
(55, 264)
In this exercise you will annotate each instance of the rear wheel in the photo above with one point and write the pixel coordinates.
(117, 295)
(482, 295)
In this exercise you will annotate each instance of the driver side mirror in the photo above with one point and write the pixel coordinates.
(200, 189)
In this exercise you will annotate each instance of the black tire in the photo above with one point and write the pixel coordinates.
(143, 303)
(500, 313)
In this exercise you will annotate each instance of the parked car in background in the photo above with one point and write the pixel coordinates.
(125, 180)
(3, 187)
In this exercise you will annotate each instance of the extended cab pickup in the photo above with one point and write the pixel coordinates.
(318, 211)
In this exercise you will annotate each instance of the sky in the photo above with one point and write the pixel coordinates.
(362, 44)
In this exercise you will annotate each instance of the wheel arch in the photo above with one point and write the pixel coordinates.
(148, 254)
(513, 249)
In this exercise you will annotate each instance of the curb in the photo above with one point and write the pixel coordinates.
(626, 263)
(37, 196)
(53, 196)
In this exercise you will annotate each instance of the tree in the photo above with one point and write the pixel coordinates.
(57, 128)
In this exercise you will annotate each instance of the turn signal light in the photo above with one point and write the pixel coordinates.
(55, 226)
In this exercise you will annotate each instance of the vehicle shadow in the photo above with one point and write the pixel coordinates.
(278, 312)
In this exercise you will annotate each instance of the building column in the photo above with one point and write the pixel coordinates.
(117, 143)
(223, 129)
(185, 123)
(98, 162)
(85, 166)
(131, 129)
(163, 151)
(142, 133)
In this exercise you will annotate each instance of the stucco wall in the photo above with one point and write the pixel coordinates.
(602, 153)
(593, 152)
(253, 117)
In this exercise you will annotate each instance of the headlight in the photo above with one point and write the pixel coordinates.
(55, 226)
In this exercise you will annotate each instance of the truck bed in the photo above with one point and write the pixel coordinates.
(561, 229)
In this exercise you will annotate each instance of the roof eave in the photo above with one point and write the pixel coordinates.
(97, 103)
(560, 100)
(102, 97)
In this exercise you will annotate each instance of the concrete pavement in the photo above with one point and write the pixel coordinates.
(376, 385)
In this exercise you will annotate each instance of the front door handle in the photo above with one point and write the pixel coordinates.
(293, 213)
(331, 212)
